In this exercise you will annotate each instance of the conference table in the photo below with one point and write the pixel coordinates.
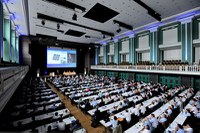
(180, 119)
(122, 113)
(139, 126)
(109, 106)
(41, 117)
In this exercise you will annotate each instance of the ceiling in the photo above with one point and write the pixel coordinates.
(90, 31)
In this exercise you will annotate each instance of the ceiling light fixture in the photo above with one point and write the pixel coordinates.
(121, 24)
(118, 30)
(58, 26)
(43, 22)
(150, 11)
(74, 17)
(104, 36)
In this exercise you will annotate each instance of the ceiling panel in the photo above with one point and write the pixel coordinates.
(129, 12)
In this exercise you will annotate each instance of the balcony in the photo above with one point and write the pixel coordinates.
(165, 69)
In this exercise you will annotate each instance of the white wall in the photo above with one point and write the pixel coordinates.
(144, 41)
(125, 46)
(170, 36)
(101, 51)
(127, 57)
(197, 54)
(111, 49)
(146, 56)
(174, 54)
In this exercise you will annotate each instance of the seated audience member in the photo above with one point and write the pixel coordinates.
(187, 113)
(75, 125)
(93, 102)
(154, 121)
(128, 116)
(119, 106)
(142, 109)
(194, 109)
(97, 115)
(61, 125)
(162, 118)
(56, 116)
(114, 122)
(188, 129)
(49, 129)
(179, 129)
(147, 122)
(198, 114)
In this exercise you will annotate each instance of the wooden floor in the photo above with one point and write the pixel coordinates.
(84, 119)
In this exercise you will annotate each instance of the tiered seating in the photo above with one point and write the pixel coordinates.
(168, 111)
(174, 62)
(104, 98)
(36, 108)
(187, 116)
(145, 63)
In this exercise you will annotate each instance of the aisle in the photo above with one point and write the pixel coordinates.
(84, 119)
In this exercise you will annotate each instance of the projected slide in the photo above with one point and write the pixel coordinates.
(57, 57)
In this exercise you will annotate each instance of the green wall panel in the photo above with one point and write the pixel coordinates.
(6, 45)
(142, 77)
(195, 28)
(197, 83)
(183, 42)
(123, 75)
(170, 81)
(189, 43)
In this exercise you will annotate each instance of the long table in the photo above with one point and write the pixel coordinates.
(139, 126)
(180, 119)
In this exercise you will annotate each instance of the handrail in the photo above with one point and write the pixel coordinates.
(180, 68)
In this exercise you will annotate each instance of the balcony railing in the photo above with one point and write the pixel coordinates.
(183, 68)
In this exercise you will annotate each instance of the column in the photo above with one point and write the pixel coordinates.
(186, 30)
(1, 30)
(6, 44)
(96, 55)
(131, 49)
(116, 52)
(104, 55)
(153, 45)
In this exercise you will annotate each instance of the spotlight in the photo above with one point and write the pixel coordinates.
(74, 17)
(111, 38)
(118, 30)
(43, 22)
(58, 26)
(104, 36)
